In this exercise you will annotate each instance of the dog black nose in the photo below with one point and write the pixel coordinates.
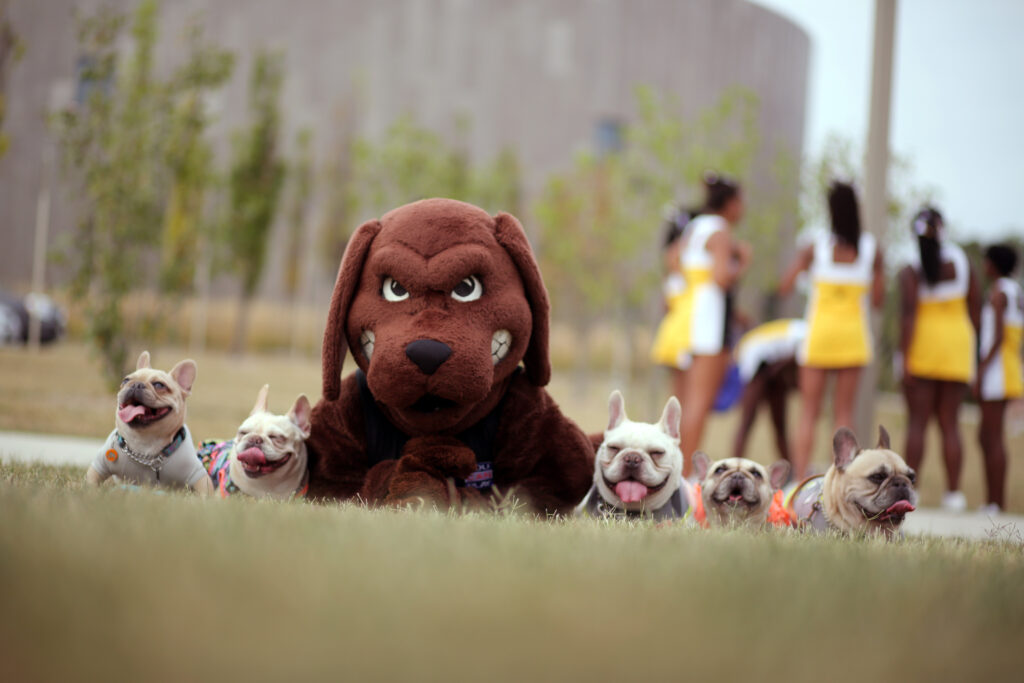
(632, 460)
(427, 354)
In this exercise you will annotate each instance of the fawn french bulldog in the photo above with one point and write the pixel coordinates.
(864, 491)
(638, 471)
(150, 443)
(738, 491)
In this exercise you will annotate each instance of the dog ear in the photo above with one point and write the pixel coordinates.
(616, 409)
(844, 448)
(261, 401)
(299, 414)
(184, 373)
(349, 274)
(778, 473)
(701, 465)
(883, 438)
(510, 235)
(143, 361)
(670, 417)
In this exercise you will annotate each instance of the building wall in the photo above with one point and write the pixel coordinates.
(533, 74)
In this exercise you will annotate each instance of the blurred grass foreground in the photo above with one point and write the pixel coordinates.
(141, 585)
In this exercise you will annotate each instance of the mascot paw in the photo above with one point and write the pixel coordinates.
(441, 457)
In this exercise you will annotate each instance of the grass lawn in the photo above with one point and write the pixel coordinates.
(59, 391)
(140, 585)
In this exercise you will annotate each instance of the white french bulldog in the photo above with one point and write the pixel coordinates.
(638, 470)
(267, 457)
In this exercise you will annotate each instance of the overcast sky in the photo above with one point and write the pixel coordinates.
(958, 97)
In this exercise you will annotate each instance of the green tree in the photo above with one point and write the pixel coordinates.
(410, 162)
(11, 50)
(112, 142)
(299, 203)
(190, 160)
(256, 179)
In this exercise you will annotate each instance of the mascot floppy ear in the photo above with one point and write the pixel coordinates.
(510, 235)
(349, 274)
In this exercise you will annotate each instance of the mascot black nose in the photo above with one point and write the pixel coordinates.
(427, 354)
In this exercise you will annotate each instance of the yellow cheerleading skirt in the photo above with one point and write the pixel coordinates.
(1013, 374)
(670, 340)
(838, 334)
(943, 344)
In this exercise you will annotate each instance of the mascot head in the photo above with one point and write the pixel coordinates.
(439, 303)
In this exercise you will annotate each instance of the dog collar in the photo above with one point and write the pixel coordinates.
(157, 460)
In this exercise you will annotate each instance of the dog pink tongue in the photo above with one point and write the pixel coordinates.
(900, 506)
(630, 491)
(129, 413)
(252, 457)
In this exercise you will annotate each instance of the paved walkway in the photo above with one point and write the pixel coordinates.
(70, 450)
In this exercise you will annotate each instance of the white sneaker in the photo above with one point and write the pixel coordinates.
(990, 510)
(954, 501)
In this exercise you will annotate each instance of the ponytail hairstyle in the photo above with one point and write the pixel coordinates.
(675, 224)
(926, 225)
(842, 208)
(719, 191)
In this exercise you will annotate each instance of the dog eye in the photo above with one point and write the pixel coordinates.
(614, 449)
(159, 385)
(124, 381)
(912, 476)
(720, 469)
(878, 477)
(757, 474)
(392, 291)
(469, 289)
(656, 454)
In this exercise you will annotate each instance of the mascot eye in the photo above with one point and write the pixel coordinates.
(469, 289)
(393, 291)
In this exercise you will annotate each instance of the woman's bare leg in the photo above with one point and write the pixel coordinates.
(679, 384)
(703, 380)
(845, 397)
(919, 395)
(993, 446)
(812, 389)
(950, 396)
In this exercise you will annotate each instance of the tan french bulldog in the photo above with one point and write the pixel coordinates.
(864, 491)
(737, 491)
(150, 443)
(638, 470)
(267, 457)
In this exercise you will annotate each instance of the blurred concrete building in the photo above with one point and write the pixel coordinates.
(546, 77)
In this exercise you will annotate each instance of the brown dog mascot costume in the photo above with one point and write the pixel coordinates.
(440, 303)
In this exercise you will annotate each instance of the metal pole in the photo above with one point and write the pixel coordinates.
(876, 181)
(39, 249)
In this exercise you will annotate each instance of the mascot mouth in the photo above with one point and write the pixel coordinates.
(429, 403)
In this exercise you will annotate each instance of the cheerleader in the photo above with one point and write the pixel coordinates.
(669, 347)
(713, 263)
(940, 305)
(999, 370)
(846, 274)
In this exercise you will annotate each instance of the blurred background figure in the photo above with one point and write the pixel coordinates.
(845, 267)
(940, 305)
(766, 359)
(999, 370)
(669, 348)
(714, 261)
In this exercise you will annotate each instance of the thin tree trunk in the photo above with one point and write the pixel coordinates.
(241, 322)
(197, 329)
